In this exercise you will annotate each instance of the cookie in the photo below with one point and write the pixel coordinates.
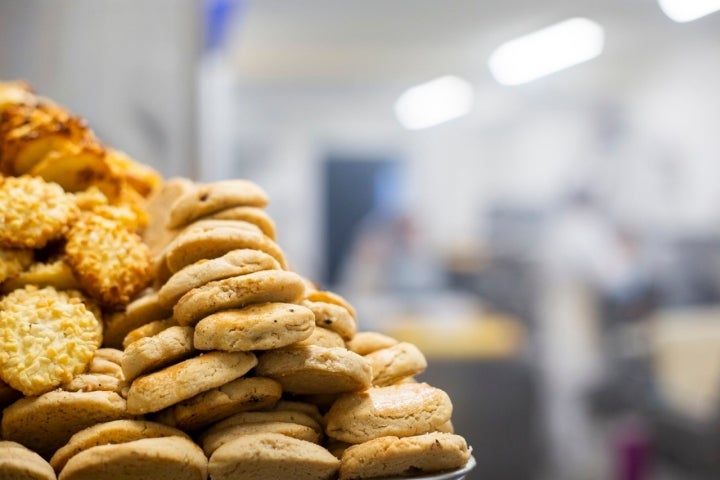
(197, 244)
(331, 297)
(323, 337)
(93, 382)
(148, 330)
(158, 390)
(20, 463)
(333, 317)
(47, 422)
(34, 212)
(12, 262)
(367, 342)
(161, 458)
(214, 197)
(256, 216)
(244, 418)
(389, 457)
(104, 366)
(108, 433)
(140, 311)
(312, 369)
(157, 235)
(398, 410)
(151, 353)
(261, 326)
(237, 292)
(56, 274)
(271, 455)
(295, 430)
(297, 406)
(233, 263)
(46, 338)
(110, 354)
(391, 364)
(206, 408)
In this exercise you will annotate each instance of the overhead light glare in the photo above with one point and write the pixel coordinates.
(682, 11)
(434, 102)
(547, 51)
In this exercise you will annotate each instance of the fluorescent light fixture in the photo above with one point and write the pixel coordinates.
(688, 10)
(434, 102)
(547, 51)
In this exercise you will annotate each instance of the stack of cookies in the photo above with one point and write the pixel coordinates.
(171, 339)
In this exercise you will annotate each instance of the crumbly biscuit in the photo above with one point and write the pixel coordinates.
(162, 458)
(233, 263)
(312, 369)
(20, 463)
(256, 216)
(391, 364)
(93, 382)
(334, 317)
(46, 337)
(399, 410)
(245, 393)
(109, 433)
(56, 273)
(141, 311)
(158, 390)
(271, 455)
(261, 326)
(214, 197)
(13, 261)
(47, 422)
(34, 212)
(331, 297)
(214, 441)
(237, 292)
(401, 457)
(111, 263)
(148, 330)
(367, 342)
(151, 353)
(197, 244)
(323, 337)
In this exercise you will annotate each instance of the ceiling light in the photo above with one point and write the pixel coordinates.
(547, 51)
(434, 102)
(687, 10)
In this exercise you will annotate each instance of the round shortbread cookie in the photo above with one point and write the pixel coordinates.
(158, 390)
(109, 433)
(391, 456)
(367, 342)
(151, 353)
(12, 263)
(271, 455)
(238, 292)
(197, 244)
(246, 393)
(148, 330)
(391, 364)
(20, 463)
(47, 422)
(313, 369)
(214, 197)
(261, 326)
(323, 337)
(264, 416)
(57, 274)
(139, 312)
(233, 263)
(331, 297)
(333, 317)
(256, 216)
(216, 440)
(399, 410)
(46, 338)
(164, 458)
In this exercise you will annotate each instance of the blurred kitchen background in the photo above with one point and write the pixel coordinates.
(539, 213)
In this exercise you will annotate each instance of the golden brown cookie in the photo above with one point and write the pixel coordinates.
(56, 274)
(237, 292)
(161, 458)
(263, 456)
(47, 422)
(313, 369)
(214, 441)
(214, 197)
(333, 317)
(367, 342)
(261, 326)
(158, 390)
(12, 262)
(141, 311)
(93, 382)
(46, 337)
(399, 410)
(392, 364)
(323, 337)
(20, 463)
(256, 216)
(389, 457)
(331, 297)
(148, 330)
(151, 353)
(157, 235)
(233, 263)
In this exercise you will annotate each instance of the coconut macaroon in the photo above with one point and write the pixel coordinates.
(46, 338)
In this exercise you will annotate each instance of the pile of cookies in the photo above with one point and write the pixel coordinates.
(178, 342)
